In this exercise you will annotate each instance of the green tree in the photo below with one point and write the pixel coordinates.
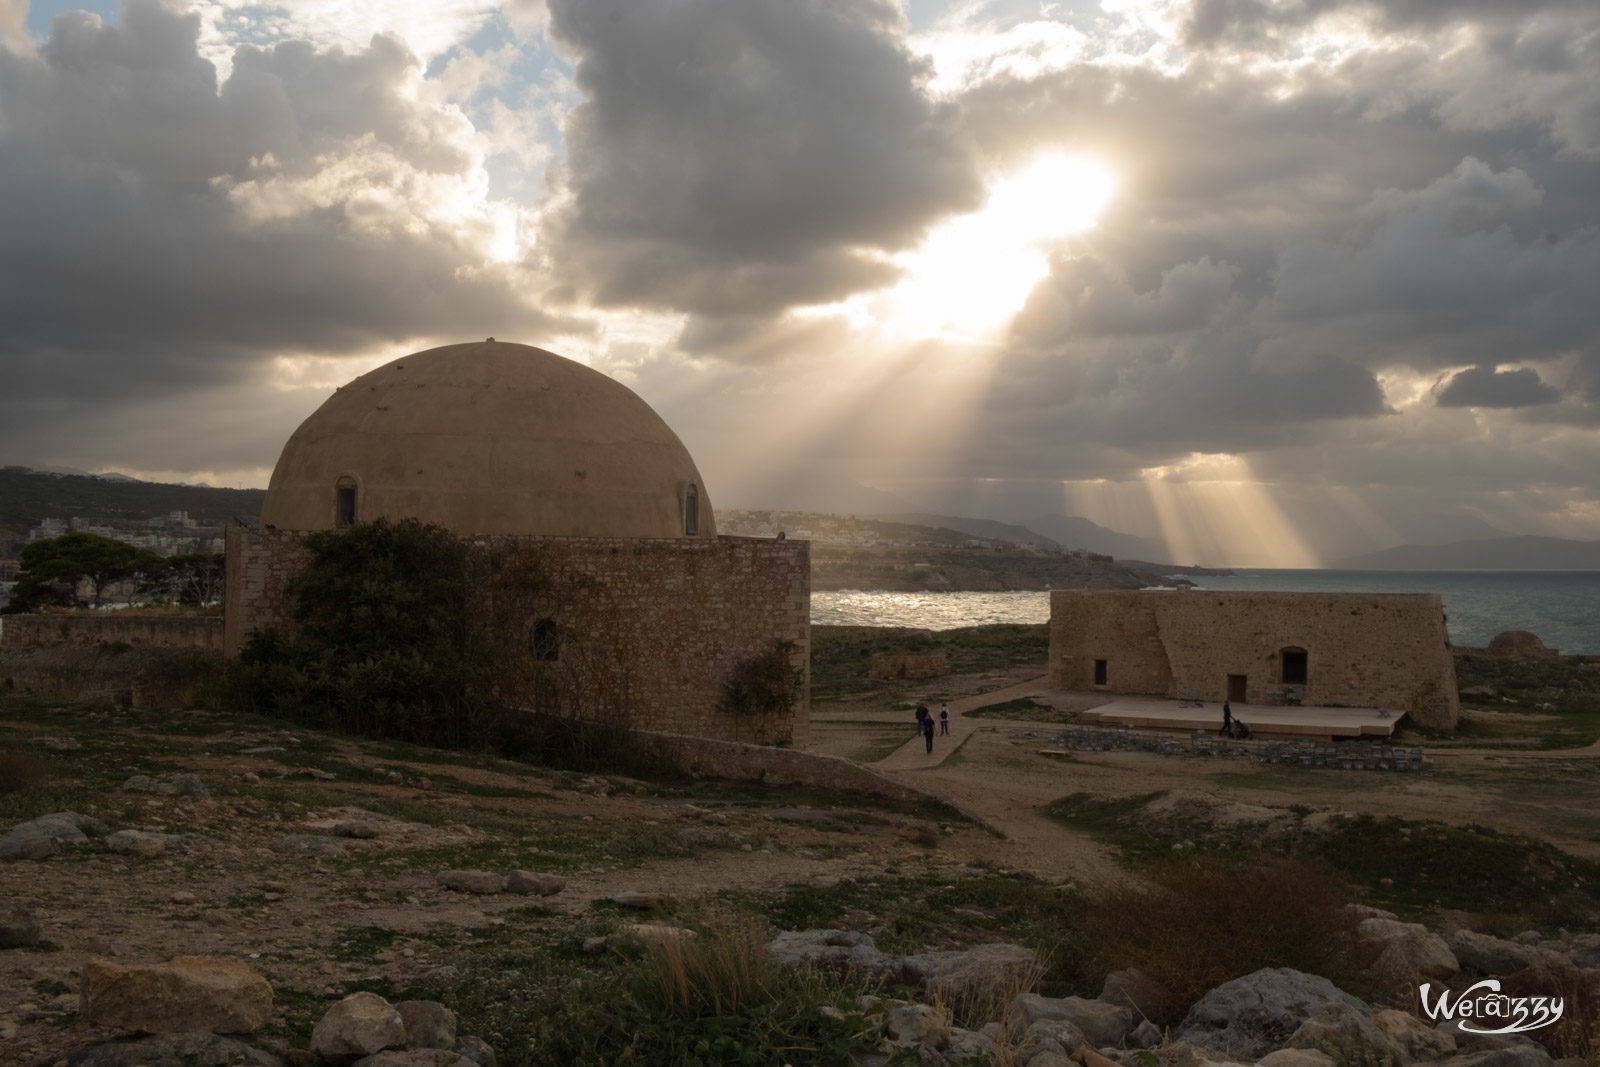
(195, 579)
(53, 568)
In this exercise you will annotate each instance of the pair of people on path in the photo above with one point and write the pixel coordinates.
(925, 722)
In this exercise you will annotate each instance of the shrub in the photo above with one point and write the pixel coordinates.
(1199, 926)
(20, 771)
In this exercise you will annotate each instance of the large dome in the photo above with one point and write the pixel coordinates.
(489, 438)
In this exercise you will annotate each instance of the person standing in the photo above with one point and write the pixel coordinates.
(944, 718)
(1227, 720)
(927, 731)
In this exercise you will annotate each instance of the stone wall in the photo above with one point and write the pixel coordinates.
(655, 624)
(138, 660)
(120, 628)
(1361, 650)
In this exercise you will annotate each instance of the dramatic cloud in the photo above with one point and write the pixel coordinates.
(1328, 264)
(1485, 387)
(744, 156)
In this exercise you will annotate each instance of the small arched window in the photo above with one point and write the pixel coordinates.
(691, 511)
(345, 502)
(546, 641)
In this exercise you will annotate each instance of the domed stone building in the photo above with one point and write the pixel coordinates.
(515, 446)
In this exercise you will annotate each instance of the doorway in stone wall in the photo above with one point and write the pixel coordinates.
(1238, 685)
(1294, 662)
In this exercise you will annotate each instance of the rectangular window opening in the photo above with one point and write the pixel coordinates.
(1100, 672)
(347, 505)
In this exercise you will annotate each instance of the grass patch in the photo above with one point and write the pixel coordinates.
(841, 656)
(1023, 709)
(880, 748)
(362, 944)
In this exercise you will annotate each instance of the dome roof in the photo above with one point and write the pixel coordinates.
(489, 438)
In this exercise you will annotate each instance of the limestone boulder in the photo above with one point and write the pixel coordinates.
(1250, 1016)
(195, 1049)
(831, 947)
(41, 837)
(1346, 1032)
(917, 1024)
(1519, 1054)
(1099, 1022)
(484, 883)
(204, 993)
(1406, 954)
(429, 1024)
(359, 1025)
(420, 1057)
(141, 844)
(982, 975)
(539, 885)
(1492, 955)
(1418, 1042)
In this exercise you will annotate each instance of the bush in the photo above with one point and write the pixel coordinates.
(710, 999)
(1200, 926)
(20, 771)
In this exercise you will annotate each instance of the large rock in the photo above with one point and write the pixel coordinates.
(206, 993)
(1492, 955)
(1100, 1023)
(428, 1024)
(529, 882)
(41, 837)
(1418, 1042)
(359, 1025)
(1347, 1033)
(143, 844)
(195, 1049)
(1519, 1054)
(1258, 1013)
(830, 947)
(485, 883)
(1407, 953)
(972, 978)
(420, 1057)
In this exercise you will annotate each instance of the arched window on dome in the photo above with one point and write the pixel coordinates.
(691, 510)
(345, 502)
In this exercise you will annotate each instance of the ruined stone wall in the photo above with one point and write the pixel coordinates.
(660, 624)
(120, 628)
(1362, 650)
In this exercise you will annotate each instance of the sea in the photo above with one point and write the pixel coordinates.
(1561, 607)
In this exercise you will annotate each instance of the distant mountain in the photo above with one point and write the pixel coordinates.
(988, 529)
(29, 496)
(1070, 531)
(809, 491)
(1489, 554)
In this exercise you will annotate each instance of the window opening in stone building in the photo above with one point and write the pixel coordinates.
(1238, 685)
(546, 641)
(346, 507)
(1294, 666)
(1100, 672)
(691, 512)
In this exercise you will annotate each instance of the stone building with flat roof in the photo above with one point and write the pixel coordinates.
(1358, 650)
(515, 446)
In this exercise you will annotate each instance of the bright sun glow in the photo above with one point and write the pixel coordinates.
(973, 273)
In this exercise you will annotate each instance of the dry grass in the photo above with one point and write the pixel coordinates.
(21, 770)
(719, 970)
(1191, 928)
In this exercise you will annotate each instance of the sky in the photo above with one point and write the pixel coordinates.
(1270, 281)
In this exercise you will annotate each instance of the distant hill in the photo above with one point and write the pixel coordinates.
(1071, 531)
(28, 496)
(1489, 554)
(988, 529)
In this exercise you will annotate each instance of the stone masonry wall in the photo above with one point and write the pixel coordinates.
(1363, 650)
(122, 628)
(674, 619)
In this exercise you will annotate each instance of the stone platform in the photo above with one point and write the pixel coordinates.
(1303, 721)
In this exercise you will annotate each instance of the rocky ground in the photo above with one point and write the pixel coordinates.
(325, 862)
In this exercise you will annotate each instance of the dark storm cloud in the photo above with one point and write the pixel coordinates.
(1254, 22)
(743, 156)
(1485, 387)
(160, 234)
